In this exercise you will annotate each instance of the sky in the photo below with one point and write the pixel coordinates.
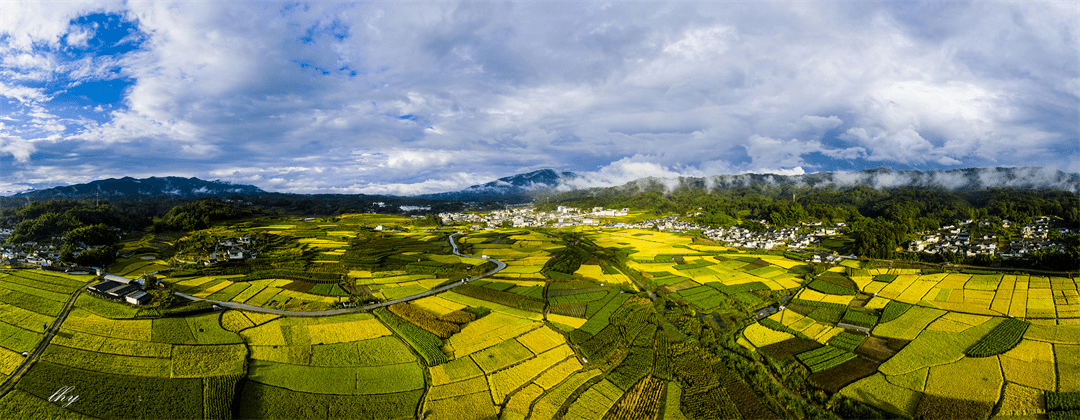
(391, 97)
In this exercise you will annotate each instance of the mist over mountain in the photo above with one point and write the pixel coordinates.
(512, 188)
(954, 179)
(128, 188)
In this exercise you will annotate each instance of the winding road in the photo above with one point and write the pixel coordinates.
(499, 266)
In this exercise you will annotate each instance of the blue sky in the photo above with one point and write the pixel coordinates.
(418, 97)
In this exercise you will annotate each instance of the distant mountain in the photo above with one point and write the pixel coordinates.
(128, 188)
(512, 188)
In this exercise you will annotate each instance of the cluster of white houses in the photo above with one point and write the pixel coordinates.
(527, 217)
(232, 249)
(115, 287)
(794, 237)
(957, 239)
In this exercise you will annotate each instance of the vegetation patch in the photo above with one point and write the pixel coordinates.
(427, 344)
(1001, 339)
(257, 400)
(789, 348)
(425, 320)
(832, 380)
(936, 407)
(116, 396)
(893, 310)
(824, 358)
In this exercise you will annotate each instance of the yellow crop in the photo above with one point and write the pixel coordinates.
(761, 336)
(509, 379)
(466, 407)
(9, 361)
(1030, 363)
(982, 379)
(519, 403)
(235, 321)
(914, 380)
(558, 373)
(1019, 400)
(566, 320)
(876, 390)
(457, 389)
(541, 339)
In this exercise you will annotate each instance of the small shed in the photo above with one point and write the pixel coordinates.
(138, 298)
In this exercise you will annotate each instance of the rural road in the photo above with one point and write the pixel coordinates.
(499, 266)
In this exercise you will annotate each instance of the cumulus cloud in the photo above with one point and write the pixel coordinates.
(405, 97)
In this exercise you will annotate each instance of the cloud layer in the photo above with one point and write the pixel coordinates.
(410, 98)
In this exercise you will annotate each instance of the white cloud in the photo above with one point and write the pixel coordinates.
(16, 147)
(492, 89)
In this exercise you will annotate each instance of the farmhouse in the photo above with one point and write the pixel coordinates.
(115, 287)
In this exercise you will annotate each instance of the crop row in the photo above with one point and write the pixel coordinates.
(36, 282)
(107, 395)
(218, 395)
(67, 284)
(938, 407)
(505, 298)
(714, 403)
(847, 341)
(817, 304)
(636, 365)
(263, 401)
(640, 402)
(427, 344)
(572, 309)
(460, 317)
(576, 298)
(31, 303)
(824, 358)
(775, 325)
(1062, 401)
(600, 319)
(893, 310)
(859, 318)
(830, 288)
(424, 320)
(1002, 338)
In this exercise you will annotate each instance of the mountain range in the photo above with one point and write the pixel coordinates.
(520, 185)
(524, 187)
(128, 188)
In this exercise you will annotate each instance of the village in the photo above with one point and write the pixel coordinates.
(957, 239)
(1038, 236)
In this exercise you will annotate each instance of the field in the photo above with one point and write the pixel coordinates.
(566, 331)
(318, 264)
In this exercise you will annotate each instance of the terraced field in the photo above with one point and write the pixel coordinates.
(943, 345)
(563, 332)
(310, 265)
